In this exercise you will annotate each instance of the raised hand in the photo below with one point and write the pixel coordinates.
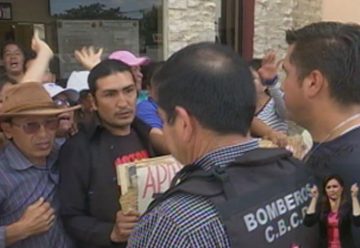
(38, 66)
(87, 57)
(354, 190)
(40, 47)
(314, 192)
(269, 67)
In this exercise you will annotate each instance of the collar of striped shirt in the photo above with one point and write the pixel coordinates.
(225, 155)
(18, 161)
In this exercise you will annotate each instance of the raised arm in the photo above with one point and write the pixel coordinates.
(314, 197)
(88, 57)
(311, 217)
(268, 73)
(39, 65)
(355, 200)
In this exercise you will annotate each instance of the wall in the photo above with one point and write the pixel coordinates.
(274, 17)
(188, 21)
(341, 10)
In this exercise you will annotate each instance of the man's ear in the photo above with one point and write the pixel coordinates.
(6, 128)
(93, 102)
(185, 123)
(314, 83)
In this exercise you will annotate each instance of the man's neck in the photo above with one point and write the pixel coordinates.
(35, 160)
(332, 124)
(211, 142)
(118, 131)
(39, 162)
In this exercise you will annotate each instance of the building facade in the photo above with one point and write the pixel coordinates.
(158, 28)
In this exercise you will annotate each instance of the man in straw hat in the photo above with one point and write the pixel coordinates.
(28, 202)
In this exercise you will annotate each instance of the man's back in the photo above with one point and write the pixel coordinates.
(339, 156)
(268, 213)
(183, 220)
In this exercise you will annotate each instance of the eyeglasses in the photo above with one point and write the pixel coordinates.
(34, 127)
(62, 103)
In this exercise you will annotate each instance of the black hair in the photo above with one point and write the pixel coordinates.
(334, 49)
(103, 69)
(255, 63)
(213, 83)
(148, 71)
(11, 42)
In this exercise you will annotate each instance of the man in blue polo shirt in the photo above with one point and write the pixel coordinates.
(28, 199)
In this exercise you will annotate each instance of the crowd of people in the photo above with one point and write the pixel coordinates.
(211, 110)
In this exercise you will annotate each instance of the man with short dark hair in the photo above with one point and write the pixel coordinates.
(89, 190)
(206, 99)
(322, 94)
(29, 202)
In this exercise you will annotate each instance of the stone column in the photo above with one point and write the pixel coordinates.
(186, 22)
(274, 17)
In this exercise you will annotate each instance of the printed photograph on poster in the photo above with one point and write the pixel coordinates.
(140, 180)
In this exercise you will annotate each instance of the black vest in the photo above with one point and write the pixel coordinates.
(261, 198)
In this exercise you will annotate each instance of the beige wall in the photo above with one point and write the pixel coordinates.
(273, 18)
(341, 10)
(186, 22)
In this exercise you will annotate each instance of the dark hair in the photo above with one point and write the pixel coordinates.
(105, 68)
(255, 63)
(11, 42)
(325, 203)
(213, 83)
(334, 49)
(148, 71)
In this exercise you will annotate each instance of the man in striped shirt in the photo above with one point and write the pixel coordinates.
(28, 199)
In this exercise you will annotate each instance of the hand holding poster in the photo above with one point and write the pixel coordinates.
(140, 180)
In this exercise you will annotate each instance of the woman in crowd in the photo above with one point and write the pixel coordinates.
(334, 213)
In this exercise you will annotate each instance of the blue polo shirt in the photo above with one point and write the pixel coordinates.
(21, 184)
(147, 112)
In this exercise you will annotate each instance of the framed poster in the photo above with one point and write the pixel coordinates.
(5, 11)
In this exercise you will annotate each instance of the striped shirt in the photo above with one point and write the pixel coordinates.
(21, 184)
(185, 220)
(271, 118)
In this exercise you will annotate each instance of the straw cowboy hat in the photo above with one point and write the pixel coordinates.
(29, 99)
